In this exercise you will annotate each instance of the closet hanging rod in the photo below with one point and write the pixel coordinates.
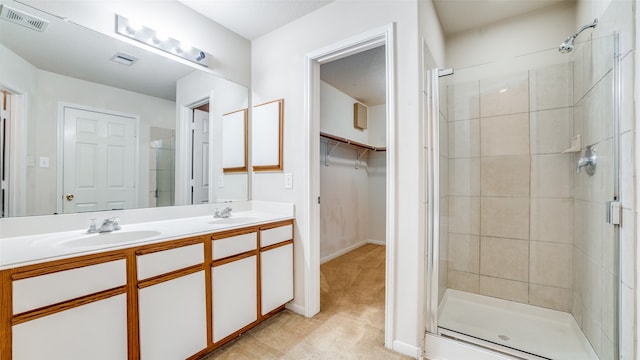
(351, 142)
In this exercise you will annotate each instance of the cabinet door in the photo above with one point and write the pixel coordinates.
(96, 331)
(235, 296)
(276, 271)
(173, 318)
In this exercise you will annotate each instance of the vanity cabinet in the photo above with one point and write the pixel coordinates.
(234, 283)
(172, 302)
(67, 310)
(178, 299)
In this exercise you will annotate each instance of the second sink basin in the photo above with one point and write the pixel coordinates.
(107, 238)
(233, 220)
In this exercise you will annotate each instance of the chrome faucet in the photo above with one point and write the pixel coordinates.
(108, 225)
(224, 213)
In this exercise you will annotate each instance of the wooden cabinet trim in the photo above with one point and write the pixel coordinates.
(208, 248)
(51, 267)
(235, 232)
(170, 276)
(170, 245)
(275, 246)
(6, 312)
(233, 258)
(66, 305)
(133, 310)
(276, 225)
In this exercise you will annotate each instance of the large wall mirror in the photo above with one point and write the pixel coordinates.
(96, 123)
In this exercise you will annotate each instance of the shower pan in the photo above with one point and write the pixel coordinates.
(522, 257)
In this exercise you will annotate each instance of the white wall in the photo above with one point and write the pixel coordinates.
(278, 72)
(231, 52)
(19, 76)
(539, 30)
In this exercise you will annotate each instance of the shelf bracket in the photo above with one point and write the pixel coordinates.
(329, 151)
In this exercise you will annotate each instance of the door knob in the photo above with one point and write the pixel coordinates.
(69, 197)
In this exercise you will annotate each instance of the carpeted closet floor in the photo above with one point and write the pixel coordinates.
(350, 324)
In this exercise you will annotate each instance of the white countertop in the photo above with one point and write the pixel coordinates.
(30, 249)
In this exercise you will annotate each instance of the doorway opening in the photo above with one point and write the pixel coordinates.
(353, 184)
(200, 152)
(320, 150)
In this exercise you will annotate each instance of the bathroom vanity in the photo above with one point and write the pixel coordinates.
(173, 289)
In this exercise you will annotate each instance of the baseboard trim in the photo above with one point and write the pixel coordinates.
(298, 309)
(406, 349)
(350, 248)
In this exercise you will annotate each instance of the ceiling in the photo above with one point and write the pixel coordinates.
(361, 76)
(254, 18)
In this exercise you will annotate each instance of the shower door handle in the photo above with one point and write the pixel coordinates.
(614, 212)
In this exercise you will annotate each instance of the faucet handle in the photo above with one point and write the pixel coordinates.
(116, 223)
(93, 226)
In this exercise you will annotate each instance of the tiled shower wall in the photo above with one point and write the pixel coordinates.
(510, 193)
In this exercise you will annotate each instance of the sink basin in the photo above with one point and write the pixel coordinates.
(107, 238)
(233, 220)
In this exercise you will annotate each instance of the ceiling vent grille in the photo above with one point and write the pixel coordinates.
(125, 59)
(24, 19)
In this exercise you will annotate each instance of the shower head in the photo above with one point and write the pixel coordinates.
(567, 45)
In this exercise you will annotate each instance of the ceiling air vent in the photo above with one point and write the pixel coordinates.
(22, 18)
(124, 59)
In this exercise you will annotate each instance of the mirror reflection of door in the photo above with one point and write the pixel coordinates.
(99, 161)
(200, 157)
(5, 108)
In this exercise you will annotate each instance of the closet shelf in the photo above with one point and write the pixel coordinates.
(351, 142)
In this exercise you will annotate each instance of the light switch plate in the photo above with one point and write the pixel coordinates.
(288, 181)
(43, 162)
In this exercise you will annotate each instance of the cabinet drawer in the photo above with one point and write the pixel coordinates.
(162, 262)
(234, 245)
(43, 290)
(276, 235)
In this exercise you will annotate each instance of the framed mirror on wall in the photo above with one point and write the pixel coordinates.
(70, 64)
(266, 136)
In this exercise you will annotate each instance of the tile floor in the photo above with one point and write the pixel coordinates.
(350, 324)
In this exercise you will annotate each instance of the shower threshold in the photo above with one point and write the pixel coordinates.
(520, 330)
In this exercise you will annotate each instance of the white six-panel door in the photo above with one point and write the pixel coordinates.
(200, 157)
(99, 161)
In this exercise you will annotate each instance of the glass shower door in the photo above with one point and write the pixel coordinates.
(524, 251)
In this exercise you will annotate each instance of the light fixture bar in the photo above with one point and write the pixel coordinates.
(150, 37)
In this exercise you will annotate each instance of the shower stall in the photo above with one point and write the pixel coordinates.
(523, 204)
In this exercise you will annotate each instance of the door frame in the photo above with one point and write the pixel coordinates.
(17, 152)
(384, 35)
(183, 148)
(60, 147)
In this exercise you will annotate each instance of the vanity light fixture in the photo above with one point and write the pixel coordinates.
(160, 41)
